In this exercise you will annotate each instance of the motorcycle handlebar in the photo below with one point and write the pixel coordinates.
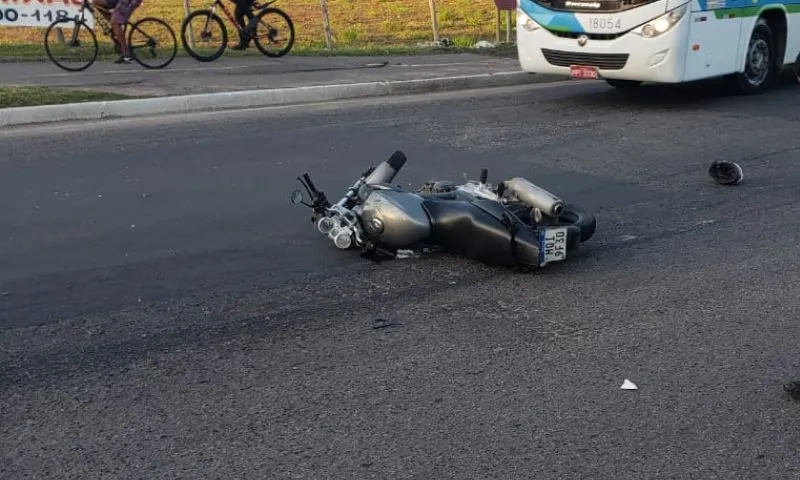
(309, 183)
(383, 173)
(387, 170)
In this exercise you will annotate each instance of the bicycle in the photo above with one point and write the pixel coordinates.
(210, 16)
(78, 22)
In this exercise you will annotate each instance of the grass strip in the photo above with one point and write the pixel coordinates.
(19, 96)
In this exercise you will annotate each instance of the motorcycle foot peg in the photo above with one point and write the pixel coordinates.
(536, 215)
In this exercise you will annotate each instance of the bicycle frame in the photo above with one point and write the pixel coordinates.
(87, 5)
(104, 24)
(99, 19)
(255, 7)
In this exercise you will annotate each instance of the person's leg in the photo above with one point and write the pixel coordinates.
(105, 8)
(122, 13)
(249, 12)
(242, 11)
(119, 34)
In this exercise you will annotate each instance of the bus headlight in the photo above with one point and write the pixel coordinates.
(525, 22)
(661, 24)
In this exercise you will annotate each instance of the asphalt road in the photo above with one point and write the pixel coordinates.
(167, 314)
(187, 76)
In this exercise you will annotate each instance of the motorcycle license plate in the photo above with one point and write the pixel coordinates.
(552, 245)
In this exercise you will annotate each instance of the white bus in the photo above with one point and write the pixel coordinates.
(627, 42)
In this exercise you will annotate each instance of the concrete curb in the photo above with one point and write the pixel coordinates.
(255, 98)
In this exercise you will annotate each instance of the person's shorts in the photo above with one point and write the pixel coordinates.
(123, 10)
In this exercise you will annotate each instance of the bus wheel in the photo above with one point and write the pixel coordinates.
(796, 68)
(622, 83)
(759, 62)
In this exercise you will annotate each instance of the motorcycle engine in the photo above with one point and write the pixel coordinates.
(439, 186)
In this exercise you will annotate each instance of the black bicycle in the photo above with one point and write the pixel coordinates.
(212, 30)
(148, 39)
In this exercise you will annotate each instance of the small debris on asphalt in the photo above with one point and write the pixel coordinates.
(402, 254)
(444, 42)
(384, 323)
(628, 385)
(726, 173)
(705, 222)
(793, 388)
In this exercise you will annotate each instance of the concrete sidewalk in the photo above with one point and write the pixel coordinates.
(186, 76)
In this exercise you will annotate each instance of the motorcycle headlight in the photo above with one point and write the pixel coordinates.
(661, 24)
(525, 22)
(325, 225)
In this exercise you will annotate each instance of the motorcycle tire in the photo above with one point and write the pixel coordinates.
(582, 224)
(578, 217)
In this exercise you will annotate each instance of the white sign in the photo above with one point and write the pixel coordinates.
(37, 13)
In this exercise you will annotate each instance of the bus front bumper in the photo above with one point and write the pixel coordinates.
(628, 57)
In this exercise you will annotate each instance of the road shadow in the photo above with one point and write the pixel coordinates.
(681, 97)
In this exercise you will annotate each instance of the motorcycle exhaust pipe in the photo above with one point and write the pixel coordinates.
(535, 196)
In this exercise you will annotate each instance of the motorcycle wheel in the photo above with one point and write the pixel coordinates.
(578, 217)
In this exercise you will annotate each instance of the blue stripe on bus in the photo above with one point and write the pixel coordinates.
(557, 21)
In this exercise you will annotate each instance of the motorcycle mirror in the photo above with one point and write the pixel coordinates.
(297, 196)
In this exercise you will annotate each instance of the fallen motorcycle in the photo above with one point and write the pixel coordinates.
(516, 223)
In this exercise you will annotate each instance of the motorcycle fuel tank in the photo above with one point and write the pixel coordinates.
(395, 218)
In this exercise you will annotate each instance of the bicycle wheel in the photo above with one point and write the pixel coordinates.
(270, 31)
(67, 36)
(152, 39)
(210, 26)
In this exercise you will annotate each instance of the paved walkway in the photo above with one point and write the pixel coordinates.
(187, 76)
